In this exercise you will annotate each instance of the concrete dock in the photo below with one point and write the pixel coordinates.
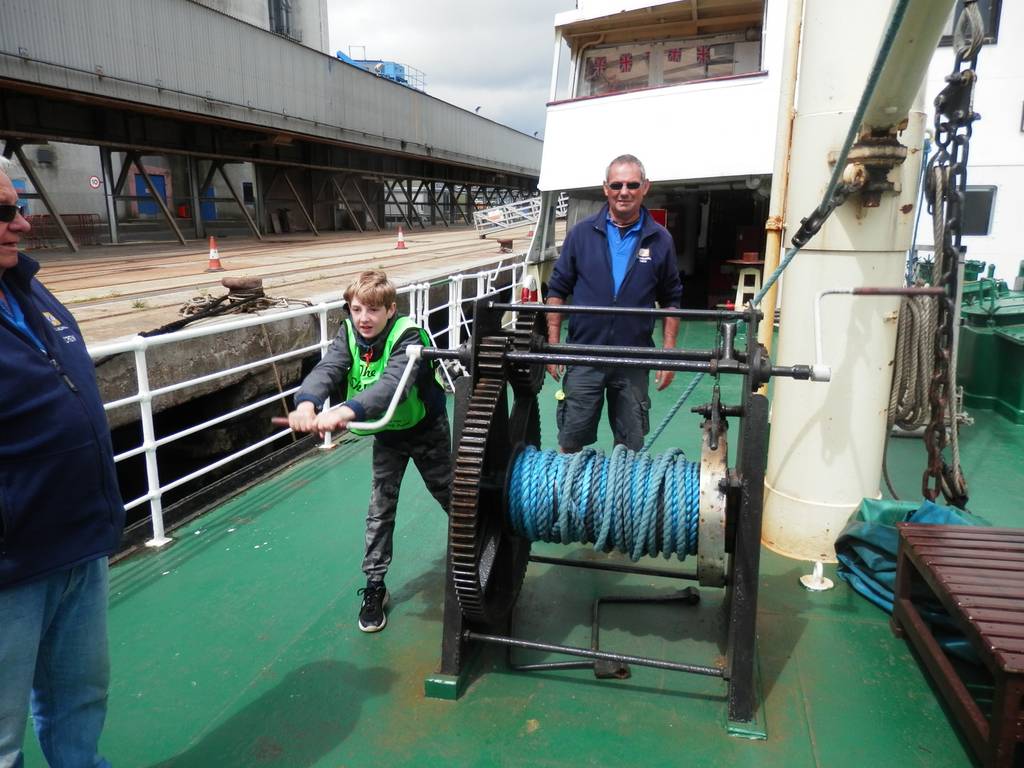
(117, 291)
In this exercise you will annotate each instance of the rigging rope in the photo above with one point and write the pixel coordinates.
(630, 502)
(915, 338)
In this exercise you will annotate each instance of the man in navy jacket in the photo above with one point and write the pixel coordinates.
(620, 257)
(61, 515)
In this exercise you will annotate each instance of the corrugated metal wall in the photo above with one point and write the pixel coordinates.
(180, 55)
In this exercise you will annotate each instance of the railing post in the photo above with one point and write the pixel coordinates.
(454, 308)
(425, 306)
(322, 316)
(156, 511)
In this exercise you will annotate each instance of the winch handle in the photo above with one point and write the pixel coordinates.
(413, 352)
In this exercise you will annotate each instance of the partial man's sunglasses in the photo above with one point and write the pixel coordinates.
(9, 213)
(617, 185)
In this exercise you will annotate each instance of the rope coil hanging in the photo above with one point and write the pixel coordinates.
(630, 502)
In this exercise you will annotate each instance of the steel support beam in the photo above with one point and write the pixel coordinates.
(412, 201)
(15, 148)
(159, 200)
(456, 194)
(107, 166)
(341, 196)
(257, 193)
(122, 176)
(390, 192)
(432, 197)
(366, 205)
(295, 194)
(194, 189)
(239, 201)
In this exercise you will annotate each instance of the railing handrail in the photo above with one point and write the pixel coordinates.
(516, 214)
(420, 310)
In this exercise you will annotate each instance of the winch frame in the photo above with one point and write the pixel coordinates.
(498, 359)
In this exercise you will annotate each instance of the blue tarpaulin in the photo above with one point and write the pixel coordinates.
(867, 548)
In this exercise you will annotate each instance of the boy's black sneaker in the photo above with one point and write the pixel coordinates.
(371, 613)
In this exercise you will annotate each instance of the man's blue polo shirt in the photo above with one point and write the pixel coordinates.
(621, 247)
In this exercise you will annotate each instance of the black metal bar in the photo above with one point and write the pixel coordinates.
(665, 363)
(551, 666)
(640, 661)
(791, 371)
(614, 567)
(712, 367)
(573, 309)
(660, 352)
(751, 455)
(435, 353)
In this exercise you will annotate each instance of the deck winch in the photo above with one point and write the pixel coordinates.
(507, 493)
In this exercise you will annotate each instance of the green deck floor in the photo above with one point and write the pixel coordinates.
(237, 645)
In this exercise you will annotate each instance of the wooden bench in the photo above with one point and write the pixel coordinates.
(977, 574)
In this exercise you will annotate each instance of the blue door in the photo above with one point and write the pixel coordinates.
(208, 208)
(21, 188)
(149, 207)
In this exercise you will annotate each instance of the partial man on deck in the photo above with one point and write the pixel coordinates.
(61, 515)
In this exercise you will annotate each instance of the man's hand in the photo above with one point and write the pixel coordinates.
(334, 420)
(303, 418)
(555, 335)
(670, 329)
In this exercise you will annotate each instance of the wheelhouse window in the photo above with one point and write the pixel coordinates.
(989, 13)
(632, 66)
(979, 203)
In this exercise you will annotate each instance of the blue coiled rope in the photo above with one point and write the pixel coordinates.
(630, 502)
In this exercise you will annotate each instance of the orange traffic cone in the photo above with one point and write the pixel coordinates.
(213, 263)
(400, 246)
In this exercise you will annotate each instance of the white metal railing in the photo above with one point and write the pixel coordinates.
(517, 214)
(458, 324)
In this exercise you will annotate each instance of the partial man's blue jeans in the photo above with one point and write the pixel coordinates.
(53, 654)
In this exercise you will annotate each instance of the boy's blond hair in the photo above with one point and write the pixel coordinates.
(373, 289)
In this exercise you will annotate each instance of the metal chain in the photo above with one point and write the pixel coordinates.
(946, 185)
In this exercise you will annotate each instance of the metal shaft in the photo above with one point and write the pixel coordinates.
(640, 661)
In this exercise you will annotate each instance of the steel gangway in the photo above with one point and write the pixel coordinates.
(517, 214)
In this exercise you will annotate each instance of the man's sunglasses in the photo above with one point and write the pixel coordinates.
(617, 185)
(9, 213)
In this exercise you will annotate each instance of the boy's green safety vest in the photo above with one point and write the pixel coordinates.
(363, 375)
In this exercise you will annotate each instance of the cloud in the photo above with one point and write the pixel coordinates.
(494, 55)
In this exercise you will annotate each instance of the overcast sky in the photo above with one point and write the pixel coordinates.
(492, 54)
